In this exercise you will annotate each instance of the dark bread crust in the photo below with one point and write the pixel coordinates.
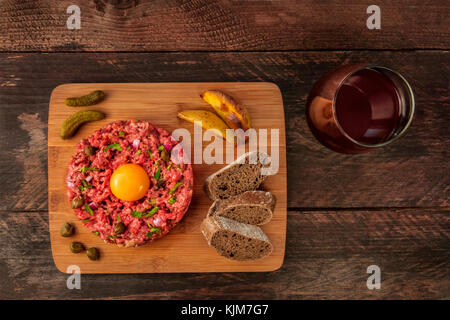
(251, 207)
(235, 240)
(242, 175)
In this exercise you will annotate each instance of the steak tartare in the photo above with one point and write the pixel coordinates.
(129, 223)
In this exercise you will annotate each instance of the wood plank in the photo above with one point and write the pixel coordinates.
(221, 25)
(184, 249)
(412, 172)
(327, 255)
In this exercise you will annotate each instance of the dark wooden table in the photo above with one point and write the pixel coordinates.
(389, 207)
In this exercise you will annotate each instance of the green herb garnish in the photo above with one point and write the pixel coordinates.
(121, 133)
(96, 233)
(112, 238)
(139, 152)
(118, 218)
(149, 154)
(85, 185)
(158, 172)
(137, 214)
(172, 191)
(161, 148)
(151, 212)
(88, 209)
(169, 166)
(86, 220)
(171, 200)
(152, 230)
(84, 169)
(114, 146)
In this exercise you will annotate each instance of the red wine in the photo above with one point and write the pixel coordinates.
(367, 107)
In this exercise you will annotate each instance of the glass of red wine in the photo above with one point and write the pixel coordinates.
(357, 108)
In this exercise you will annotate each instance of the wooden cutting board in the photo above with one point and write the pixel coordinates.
(184, 249)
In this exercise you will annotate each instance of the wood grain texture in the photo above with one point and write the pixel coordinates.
(327, 255)
(412, 172)
(327, 252)
(184, 249)
(221, 25)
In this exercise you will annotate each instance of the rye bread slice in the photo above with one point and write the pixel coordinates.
(244, 174)
(251, 207)
(236, 240)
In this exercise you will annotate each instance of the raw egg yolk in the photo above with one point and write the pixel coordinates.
(129, 182)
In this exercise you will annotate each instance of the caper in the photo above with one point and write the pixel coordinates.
(89, 150)
(165, 155)
(119, 228)
(93, 253)
(67, 230)
(160, 184)
(76, 247)
(77, 202)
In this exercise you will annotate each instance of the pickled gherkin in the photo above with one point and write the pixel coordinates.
(88, 100)
(71, 124)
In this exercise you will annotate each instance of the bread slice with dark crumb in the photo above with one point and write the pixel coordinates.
(251, 207)
(242, 175)
(236, 240)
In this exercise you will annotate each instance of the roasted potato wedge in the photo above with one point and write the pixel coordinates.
(210, 121)
(234, 114)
